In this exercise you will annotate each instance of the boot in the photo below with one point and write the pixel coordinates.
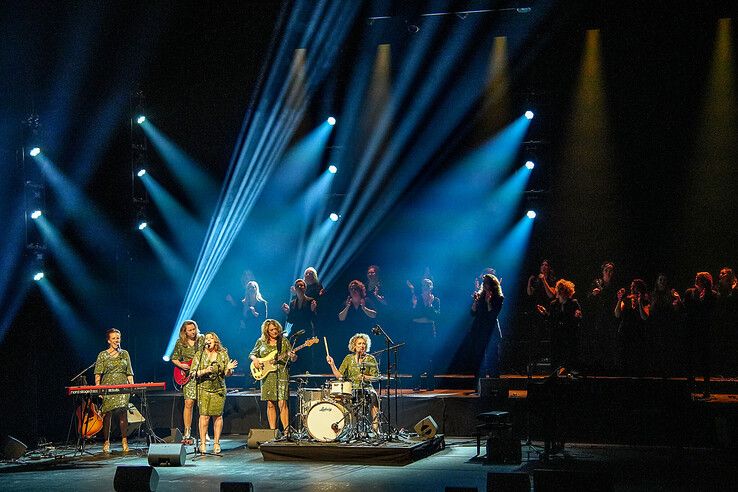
(106, 447)
(124, 442)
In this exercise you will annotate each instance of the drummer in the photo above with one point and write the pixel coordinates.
(361, 369)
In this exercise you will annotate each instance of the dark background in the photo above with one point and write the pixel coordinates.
(76, 65)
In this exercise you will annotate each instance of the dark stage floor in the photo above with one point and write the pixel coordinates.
(626, 468)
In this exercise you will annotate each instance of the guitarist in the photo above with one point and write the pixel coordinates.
(275, 386)
(189, 342)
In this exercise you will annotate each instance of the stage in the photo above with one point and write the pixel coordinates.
(598, 410)
(617, 467)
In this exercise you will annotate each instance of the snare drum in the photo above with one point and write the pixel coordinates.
(327, 421)
(339, 389)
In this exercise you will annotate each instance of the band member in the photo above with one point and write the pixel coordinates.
(564, 314)
(210, 366)
(633, 311)
(313, 287)
(600, 330)
(541, 286)
(301, 310)
(426, 312)
(361, 369)
(664, 328)
(189, 342)
(356, 311)
(275, 386)
(486, 333)
(113, 366)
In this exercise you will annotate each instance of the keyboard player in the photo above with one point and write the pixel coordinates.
(113, 366)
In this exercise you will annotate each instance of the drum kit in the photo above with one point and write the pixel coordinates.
(337, 411)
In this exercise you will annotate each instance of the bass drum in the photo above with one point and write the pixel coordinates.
(327, 421)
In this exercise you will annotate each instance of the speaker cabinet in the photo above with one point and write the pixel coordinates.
(426, 428)
(167, 454)
(258, 436)
(135, 419)
(135, 478)
(11, 448)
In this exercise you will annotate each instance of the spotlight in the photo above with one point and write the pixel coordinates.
(523, 10)
(38, 276)
(331, 120)
(333, 216)
(142, 225)
(141, 172)
(531, 214)
(140, 119)
(530, 164)
(35, 151)
(529, 114)
(36, 214)
(332, 169)
(166, 358)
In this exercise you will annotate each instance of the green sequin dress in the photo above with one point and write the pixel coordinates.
(114, 370)
(183, 353)
(351, 369)
(269, 386)
(211, 388)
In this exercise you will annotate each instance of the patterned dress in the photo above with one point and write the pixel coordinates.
(351, 369)
(183, 352)
(211, 388)
(269, 386)
(114, 369)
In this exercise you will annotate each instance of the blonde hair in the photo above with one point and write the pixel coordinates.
(313, 271)
(183, 329)
(352, 342)
(265, 328)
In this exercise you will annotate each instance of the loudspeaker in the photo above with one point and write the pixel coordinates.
(258, 436)
(236, 487)
(175, 436)
(135, 478)
(426, 428)
(167, 454)
(11, 448)
(135, 419)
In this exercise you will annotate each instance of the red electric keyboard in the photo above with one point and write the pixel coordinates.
(115, 389)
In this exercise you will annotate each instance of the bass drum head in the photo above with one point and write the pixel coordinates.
(326, 421)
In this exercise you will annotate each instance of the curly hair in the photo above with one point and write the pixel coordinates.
(358, 286)
(265, 328)
(565, 286)
(352, 342)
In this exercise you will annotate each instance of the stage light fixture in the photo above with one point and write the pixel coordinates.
(334, 216)
(165, 358)
(142, 225)
(140, 119)
(35, 151)
(331, 120)
(332, 169)
(141, 172)
(38, 276)
(530, 164)
(529, 114)
(531, 214)
(36, 214)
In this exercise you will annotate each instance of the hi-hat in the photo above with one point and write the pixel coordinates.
(308, 375)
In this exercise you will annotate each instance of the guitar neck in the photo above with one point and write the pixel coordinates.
(296, 349)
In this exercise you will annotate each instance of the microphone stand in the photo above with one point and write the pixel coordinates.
(86, 407)
(378, 330)
(289, 430)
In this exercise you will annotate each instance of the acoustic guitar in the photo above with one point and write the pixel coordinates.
(271, 359)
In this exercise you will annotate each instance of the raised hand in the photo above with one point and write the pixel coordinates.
(313, 305)
(285, 308)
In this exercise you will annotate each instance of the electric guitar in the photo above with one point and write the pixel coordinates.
(182, 376)
(270, 360)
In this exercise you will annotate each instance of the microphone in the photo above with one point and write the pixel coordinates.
(207, 344)
(377, 330)
(298, 333)
(119, 349)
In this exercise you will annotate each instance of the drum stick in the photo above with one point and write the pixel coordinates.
(325, 340)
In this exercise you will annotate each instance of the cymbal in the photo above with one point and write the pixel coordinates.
(379, 378)
(309, 375)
